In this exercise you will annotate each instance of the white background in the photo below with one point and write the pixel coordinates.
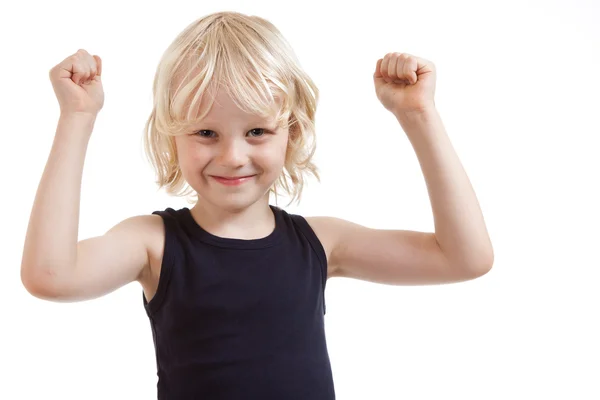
(518, 90)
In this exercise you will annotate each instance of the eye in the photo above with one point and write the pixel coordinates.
(258, 132)
(208, 134)
(204, 133)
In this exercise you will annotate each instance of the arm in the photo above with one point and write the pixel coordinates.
(460, 229)
(460, 248)
(55, 265)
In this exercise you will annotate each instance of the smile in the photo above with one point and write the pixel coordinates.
(232, 181)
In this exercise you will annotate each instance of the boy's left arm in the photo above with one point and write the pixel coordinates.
(460, 249)
(460, 228)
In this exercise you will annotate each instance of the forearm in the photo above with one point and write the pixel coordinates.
(52, 233)
(459, 224)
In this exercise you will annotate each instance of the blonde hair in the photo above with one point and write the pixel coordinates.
(250, 58)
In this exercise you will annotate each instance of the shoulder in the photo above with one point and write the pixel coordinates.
(149, 229)
(328, 230)
(345, 241)
(315, 229)
(154, 234)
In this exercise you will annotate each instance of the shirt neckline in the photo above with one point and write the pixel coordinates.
(200, 233)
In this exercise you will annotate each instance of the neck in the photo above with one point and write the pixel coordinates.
(252, 222)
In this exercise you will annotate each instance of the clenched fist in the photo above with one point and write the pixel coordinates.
(77, 85)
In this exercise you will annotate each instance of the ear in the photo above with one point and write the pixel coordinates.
(294, 131)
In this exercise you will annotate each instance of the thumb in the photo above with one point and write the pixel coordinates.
(98, 65)
(377, 73)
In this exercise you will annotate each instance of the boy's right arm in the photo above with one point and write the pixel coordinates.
(105, 263)
(55, 265)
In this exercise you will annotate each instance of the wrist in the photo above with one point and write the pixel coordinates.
(416, 116)
(78, 117)
(75, 125)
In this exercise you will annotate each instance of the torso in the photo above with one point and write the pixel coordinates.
(156, 243)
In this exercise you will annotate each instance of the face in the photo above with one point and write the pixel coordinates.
(232, 158)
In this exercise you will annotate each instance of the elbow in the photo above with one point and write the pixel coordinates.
(483, 266)
(482, 269)
(38, 285)
(473, 267)
(488, 260)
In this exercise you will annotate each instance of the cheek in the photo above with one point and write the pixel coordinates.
(282, 149)
(192, 155)
(274, 155)
(191, 159)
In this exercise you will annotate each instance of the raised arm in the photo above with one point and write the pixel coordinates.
(55, 265)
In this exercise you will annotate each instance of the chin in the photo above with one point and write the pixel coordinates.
(237, 204)
(235, 201)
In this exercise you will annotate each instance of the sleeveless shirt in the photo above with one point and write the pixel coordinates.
(240, 319)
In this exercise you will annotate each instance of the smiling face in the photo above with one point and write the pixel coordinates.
(232, 158)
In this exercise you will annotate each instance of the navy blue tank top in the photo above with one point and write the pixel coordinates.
(241, 319)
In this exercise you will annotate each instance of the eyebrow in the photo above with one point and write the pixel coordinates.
(270, 122)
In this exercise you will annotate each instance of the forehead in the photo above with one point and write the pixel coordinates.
(224, 108)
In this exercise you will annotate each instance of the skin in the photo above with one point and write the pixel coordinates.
(232, 143)
(59, 267)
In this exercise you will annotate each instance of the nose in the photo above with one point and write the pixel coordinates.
(233, 154)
